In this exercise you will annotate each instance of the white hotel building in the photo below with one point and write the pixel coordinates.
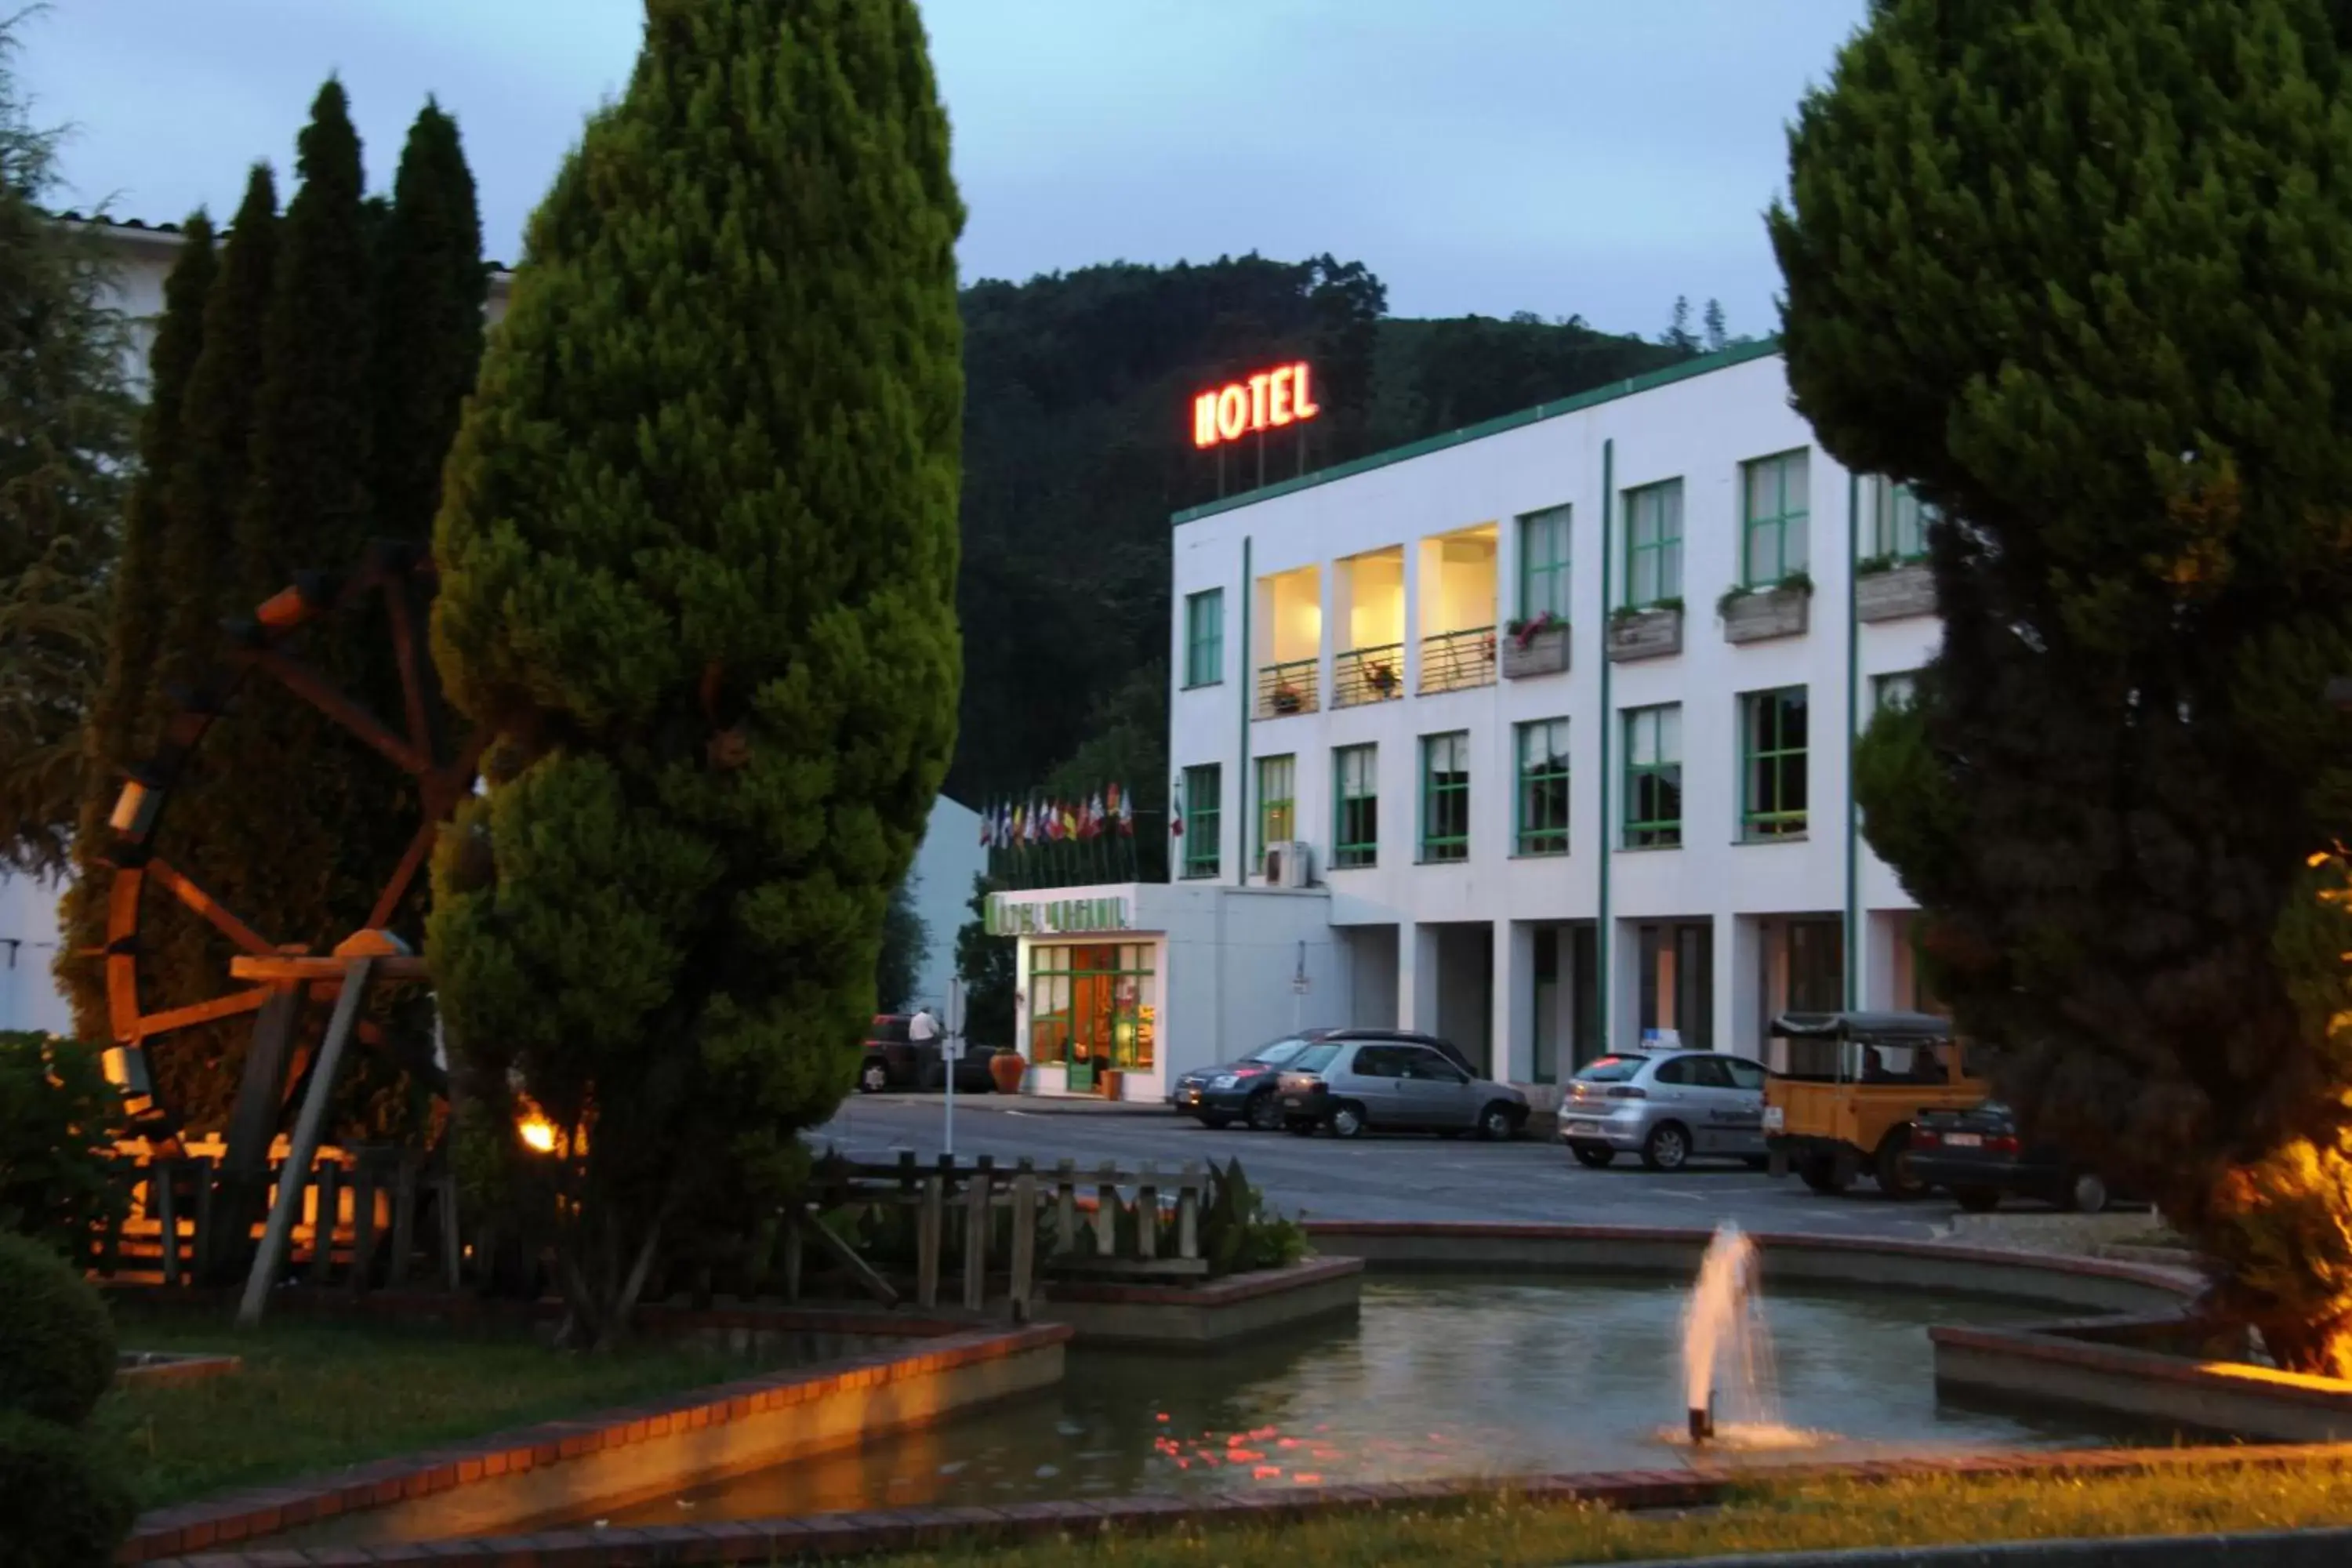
(1397, 812)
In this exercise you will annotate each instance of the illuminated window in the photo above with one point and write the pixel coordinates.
(1091, 1006)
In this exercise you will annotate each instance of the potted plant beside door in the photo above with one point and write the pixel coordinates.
(1008, 1070)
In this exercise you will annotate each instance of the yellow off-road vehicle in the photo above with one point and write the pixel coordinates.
(1844, 1087)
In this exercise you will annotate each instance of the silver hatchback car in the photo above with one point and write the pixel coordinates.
(1665, 1106)
(1350, 1085)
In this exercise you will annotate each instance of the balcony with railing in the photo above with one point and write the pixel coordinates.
(1368, 613)
(1367, 675)
(1286, 689)
(1287, 646)
(1457, 609)
(1457, 661)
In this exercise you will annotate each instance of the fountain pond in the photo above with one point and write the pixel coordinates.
(1443, 1377)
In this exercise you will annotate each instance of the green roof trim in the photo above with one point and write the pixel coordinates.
(1763, 347)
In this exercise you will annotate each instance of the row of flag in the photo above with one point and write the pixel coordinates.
(1021, 825)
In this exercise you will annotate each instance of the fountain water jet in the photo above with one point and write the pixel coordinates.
(1725, 1339)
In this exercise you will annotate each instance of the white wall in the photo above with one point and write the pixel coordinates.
(1699, 429)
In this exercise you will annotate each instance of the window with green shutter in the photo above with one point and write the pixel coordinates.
(1542, 791)
(1204, 637)
(1654, 543)
(1355, 807)
(1277, 815)
(1773, 763)
(1775, 520)
(1445, 797)
(1898, 523)
(1654, 777)
(1203, 808)
(1543, 563)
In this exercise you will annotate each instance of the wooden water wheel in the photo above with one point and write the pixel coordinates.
(267, 978)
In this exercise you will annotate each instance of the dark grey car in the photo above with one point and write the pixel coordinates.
(1350, 1085)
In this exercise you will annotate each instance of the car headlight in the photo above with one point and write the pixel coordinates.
(1224, 1080)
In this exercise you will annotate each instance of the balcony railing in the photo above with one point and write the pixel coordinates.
(1455, 661)
(1367, 675)
(1285, 689)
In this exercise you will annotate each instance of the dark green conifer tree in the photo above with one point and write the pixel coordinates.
(429, 323)
(2075, 274)
(123, 721)
(699, 553)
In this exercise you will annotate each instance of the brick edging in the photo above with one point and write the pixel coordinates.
(2052, 1344)
(226, 1518)
(834, 1535)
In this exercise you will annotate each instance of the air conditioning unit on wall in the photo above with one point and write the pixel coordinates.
(1289, 864)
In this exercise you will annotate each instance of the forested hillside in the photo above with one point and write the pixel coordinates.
(1077, 448)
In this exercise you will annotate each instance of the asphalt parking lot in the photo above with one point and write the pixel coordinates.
(1394, 1177)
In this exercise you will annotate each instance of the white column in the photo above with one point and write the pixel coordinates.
(1739, 955)
(1417, 977)
(1513, 1011)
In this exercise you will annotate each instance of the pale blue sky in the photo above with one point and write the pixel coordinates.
(1588, 157)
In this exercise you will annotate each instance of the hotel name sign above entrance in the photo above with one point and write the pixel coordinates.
(1057, 917)
(1266, 401)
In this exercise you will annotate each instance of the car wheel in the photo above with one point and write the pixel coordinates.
(1826, 1174)
(1892, 1168)
(1495, 1123)
(2086, 1193)
(1593, 1156)
(873, 1078)
(1978, 1200)
(1668, 1148)
(1262, 1113)
(1346, 1121)
(1216, 1121)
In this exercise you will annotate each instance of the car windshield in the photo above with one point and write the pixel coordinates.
(1277, 1054)
(1609, 1069)
(1313, 1059)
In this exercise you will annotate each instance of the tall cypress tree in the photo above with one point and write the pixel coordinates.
(430, 289)
(2074, 272)
(122, 721)
(699, 554)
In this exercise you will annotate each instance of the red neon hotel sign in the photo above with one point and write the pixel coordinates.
(1266, 401)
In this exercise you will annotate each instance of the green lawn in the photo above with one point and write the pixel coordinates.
(314, 1396)
(1822, 1516)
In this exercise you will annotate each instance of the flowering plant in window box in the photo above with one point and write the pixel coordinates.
(1382, 676)
(1286, 699)
(1528, 628)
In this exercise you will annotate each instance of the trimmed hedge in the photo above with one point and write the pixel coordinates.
(57, 1343)
(63, 1503)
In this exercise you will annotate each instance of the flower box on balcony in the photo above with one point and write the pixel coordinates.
(1756, 615)
(1652, 631)
(1893, 591)
(1538, 650)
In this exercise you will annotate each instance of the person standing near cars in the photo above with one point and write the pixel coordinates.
(923, 1029)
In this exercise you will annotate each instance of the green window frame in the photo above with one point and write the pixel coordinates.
(1092, 1003)
(1773, 774)
(1278, 805)
(1654, 543)
(1654, 777)
(1204, 637)
(1898, 523)
(1355, 807)
(1897, 690)
(1541, 750)
(1445, 797)
(1775, 518)
(1203, 814)
(1543, 542)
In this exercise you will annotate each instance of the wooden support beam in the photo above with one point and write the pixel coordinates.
(161, 1175)
(1024, 1262)
(861, 1270)
(928, 1228)
(367, 1180)
(304, 1147)
(322, 694)
(975, 1233)
(388, 901)
(253, 1119)
(216, 914)
(197, 1013)
(1147, 1213)
(1107, 1211)
(329, 1182)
